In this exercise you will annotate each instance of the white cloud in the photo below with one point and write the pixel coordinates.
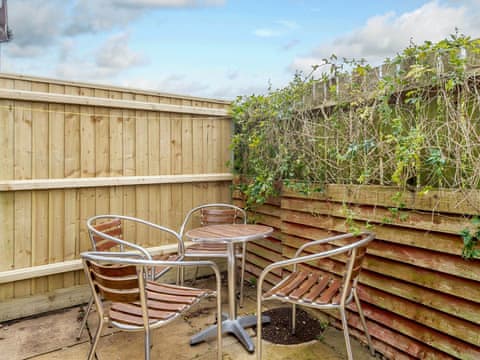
(385, 35)
(264, 32)
(109, 60)
(116, 54)
(99, 15)
(168, 3)
(36, 25)
(281, 27)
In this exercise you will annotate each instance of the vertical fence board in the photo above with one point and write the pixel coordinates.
(7, 243)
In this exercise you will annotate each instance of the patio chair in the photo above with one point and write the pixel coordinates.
(320, 290)
(137, 303)
(106, 233)
(213, 214)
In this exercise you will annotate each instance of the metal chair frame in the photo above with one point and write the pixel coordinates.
(348, 290)
(122, 244)
(143, 267)
(239, 214)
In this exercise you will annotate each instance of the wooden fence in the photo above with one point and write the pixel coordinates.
(421, 299)
(69, 151)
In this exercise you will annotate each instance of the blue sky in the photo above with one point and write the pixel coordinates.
(215, 48)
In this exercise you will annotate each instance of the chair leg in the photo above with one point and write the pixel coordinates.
(242, 274)
(343, 315)
(91, 354)
(182, 275)
(364, 323)
(195, 274)
(147, 343)
(294, 318)
(259, 325)
(85, 318)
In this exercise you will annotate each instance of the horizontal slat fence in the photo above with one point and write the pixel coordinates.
(69, 151)
(421, 299)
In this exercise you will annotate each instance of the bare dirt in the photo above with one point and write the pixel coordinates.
(279, 329)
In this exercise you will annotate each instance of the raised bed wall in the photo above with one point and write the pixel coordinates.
(421, 299)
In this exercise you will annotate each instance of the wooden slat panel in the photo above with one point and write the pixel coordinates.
(415, 220)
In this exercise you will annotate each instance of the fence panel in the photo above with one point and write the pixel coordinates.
(421, 298)
(72, 150)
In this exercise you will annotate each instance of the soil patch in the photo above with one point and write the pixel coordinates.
(279, 329)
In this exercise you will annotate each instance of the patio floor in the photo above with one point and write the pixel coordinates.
(53, 336)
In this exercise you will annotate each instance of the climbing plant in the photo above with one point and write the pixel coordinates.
(413, 122)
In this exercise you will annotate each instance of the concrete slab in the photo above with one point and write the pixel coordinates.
(53, 336)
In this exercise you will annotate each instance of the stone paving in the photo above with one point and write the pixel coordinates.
(53, 336)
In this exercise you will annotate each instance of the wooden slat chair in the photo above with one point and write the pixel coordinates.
(106, 233)
(126, 299)
(214, 214)
(319, 290)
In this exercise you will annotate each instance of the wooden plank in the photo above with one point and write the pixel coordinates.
(48, 184)
(450, 345)
(56, 201)
(391, 342)
(53, 300)
(65, 266)
(428, 278)
(447, 324)
(463, 202)
(415, 220)
(154, 169)
(72, 170)
(187, 160)
(22, 201)
(441, 262)
(449, 304)
(198, 159)
(102, 153)
(40, 170)
(202, 102)
(100, 101)
(142, 168)
(7, 212)
(447, 243)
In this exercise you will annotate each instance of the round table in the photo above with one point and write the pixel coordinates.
(230, 234)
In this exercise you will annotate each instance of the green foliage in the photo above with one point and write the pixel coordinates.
(413, 124)
(471, 239)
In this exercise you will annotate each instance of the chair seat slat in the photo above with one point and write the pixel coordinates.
(175, 290)
(304, 287)
(316, 290)
(136, 310)
(329, 293)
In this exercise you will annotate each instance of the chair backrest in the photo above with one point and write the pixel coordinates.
(353, 266)
(218, 215)
(108, 226)
(118, 283)
(210, 214)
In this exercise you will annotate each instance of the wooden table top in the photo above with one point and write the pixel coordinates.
(229, 233)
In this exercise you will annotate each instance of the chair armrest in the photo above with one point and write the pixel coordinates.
(119, 258)
(328, 240)
(136, 220)
(306, 258)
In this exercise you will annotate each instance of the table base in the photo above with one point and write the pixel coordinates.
(235, 327)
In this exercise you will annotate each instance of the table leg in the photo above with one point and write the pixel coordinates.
(231, 325)
(231, 271)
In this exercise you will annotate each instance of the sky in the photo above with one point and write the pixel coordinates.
(216, 48)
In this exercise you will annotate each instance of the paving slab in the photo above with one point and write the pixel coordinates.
(53, 336)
